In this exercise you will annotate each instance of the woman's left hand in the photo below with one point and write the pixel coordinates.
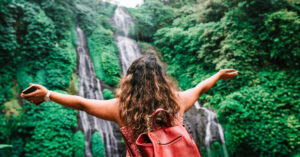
(37, 96)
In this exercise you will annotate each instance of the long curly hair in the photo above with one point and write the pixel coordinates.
(143, 89)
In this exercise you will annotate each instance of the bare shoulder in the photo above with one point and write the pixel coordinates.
(116, 112)
(114, 103)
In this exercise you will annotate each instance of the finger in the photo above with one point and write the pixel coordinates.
(229, 70)
(231, 75)
(29, 99)
(30, 94)
(36, 86)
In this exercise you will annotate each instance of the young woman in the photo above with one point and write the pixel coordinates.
(141, 91)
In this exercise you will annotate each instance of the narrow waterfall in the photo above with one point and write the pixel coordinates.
(89, 87)
(128, 48)
(205, 128)
(213, 129)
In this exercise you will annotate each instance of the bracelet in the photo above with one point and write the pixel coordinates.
(47, 97)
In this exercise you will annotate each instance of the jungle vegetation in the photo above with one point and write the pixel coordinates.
(259, 109)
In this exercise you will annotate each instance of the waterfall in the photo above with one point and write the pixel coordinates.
(210, 125)
(128, 48)
(90, 87)
(127, 3)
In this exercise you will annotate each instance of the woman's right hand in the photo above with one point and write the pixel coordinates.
(37, 96)
(226, 74)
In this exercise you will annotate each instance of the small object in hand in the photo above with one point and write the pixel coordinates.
(29, 90)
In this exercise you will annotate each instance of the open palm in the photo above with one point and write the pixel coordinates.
(226, 74)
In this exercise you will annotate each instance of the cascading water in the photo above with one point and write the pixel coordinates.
(128, 48)
(89, 87)
(204, 128)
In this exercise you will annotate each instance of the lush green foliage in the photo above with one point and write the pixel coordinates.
(92, 14)
(259, 108)
(97, 145)
(53, 131)
(104, 54)
(10, 122)
(259, 39)
(151, 16)
(37, 46)
(108, 94)
(78, 143)
(261, 119)
(283, 28)
(94, 20)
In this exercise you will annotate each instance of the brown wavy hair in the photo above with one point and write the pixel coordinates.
(143, 89)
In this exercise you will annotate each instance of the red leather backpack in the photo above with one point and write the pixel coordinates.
(171, 141)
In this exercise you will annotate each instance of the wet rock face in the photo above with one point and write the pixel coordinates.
(195, 123)
(203, 126)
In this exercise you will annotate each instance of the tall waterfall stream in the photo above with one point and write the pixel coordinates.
(89, 87)
(128, 48)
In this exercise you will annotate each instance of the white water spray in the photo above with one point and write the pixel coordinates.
(128, 48)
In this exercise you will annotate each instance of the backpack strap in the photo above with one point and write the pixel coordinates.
(156, 112)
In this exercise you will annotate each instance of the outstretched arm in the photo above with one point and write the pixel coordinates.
(189, 97)
(104, 109)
